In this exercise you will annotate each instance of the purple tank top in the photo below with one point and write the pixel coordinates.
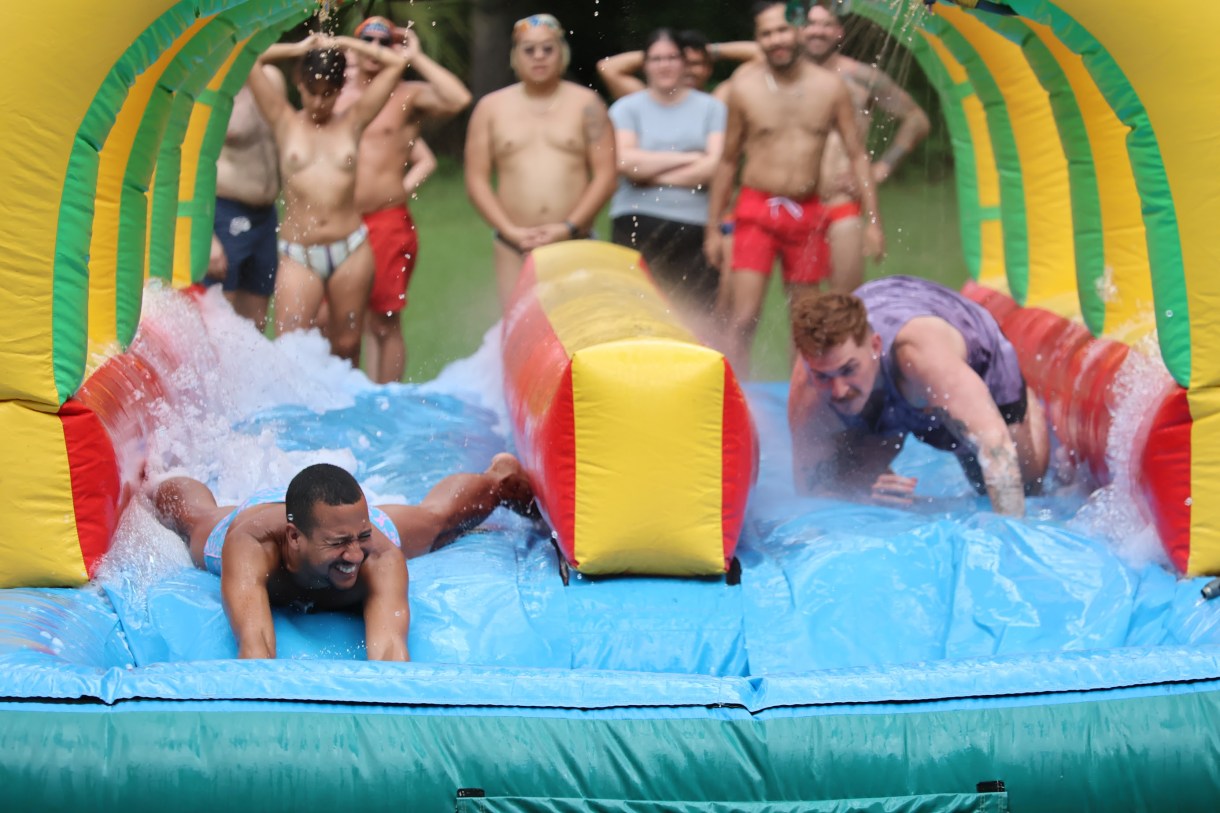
(894, 301)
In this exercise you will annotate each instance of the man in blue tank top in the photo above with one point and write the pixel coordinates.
(907, 356)
(319, 545)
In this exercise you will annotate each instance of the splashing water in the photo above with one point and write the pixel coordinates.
(1113, 511)
(230, 393)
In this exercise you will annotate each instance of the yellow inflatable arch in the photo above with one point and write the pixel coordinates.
(1087, 162)
(1087, 165)
(108, 168)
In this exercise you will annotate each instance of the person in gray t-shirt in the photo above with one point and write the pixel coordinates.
(668, 138)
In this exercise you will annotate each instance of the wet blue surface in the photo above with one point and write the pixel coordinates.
(827, 586)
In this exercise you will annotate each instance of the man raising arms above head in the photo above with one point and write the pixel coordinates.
(780, 113)
(549, 143)
(319, 545)
(381, 197)
(323, 251)
(904, 355)
(871, 89)
(243, 257)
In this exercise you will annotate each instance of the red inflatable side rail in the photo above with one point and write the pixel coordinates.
(1074, 374)
(116, 397)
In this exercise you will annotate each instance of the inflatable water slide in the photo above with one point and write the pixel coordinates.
(1086, 165)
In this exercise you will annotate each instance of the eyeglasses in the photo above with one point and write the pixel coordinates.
(546, 49)
(385, 42)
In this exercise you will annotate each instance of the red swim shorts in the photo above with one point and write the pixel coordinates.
(842, 211)
(395, 246)
(795, 229)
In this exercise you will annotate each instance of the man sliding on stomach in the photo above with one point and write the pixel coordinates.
(321, 546)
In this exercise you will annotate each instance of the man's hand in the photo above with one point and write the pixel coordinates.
(218, 261)
(874, 241)
(410, 47)
(894, 490)
(544, 235)
(881, 171)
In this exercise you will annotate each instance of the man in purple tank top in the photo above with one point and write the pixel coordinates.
(907, 356)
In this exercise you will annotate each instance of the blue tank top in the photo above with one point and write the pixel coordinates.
(894, 301)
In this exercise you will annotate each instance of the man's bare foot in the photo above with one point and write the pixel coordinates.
(513, 487)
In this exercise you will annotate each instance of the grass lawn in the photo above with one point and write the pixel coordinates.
(453, 301)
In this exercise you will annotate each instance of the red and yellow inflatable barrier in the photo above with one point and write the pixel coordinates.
(1075, 374)
(638, 438)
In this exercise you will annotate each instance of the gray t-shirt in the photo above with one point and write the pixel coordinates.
(681, 127)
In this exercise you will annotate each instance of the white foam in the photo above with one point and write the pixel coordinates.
(478, 378)
(1114, 511)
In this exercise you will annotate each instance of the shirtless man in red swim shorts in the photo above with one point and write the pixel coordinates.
(781, 112)
(385, 150)
(871, 90)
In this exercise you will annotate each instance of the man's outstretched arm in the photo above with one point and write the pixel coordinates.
(387, 613)
(971, 414)
(243, 586)
(913, 124)
(458, 503)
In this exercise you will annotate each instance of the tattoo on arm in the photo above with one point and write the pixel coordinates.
(594, 122)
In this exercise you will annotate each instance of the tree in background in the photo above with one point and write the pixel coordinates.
(472, 39)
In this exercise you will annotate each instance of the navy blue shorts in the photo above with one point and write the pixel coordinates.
(247, 234)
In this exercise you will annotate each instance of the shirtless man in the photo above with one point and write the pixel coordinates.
(319, 545)
(780, 114)
(381, 195)
(871, 89)
(243, 257)
(549, 143)
(323, 246)
(907, 356)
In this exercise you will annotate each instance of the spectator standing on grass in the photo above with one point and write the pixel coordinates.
(668, 139)
(550, 147)
(389, 144)
(243, 258)
(780, 114)
(323, 242)
(871, 90)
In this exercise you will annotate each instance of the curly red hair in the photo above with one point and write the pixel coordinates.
(821, 322)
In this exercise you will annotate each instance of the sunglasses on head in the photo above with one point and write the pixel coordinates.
(383, 41)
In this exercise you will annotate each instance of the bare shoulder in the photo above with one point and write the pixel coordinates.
(746, 74)
(262, 523)
(498, 100)
(824, 78)
(581, 95)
